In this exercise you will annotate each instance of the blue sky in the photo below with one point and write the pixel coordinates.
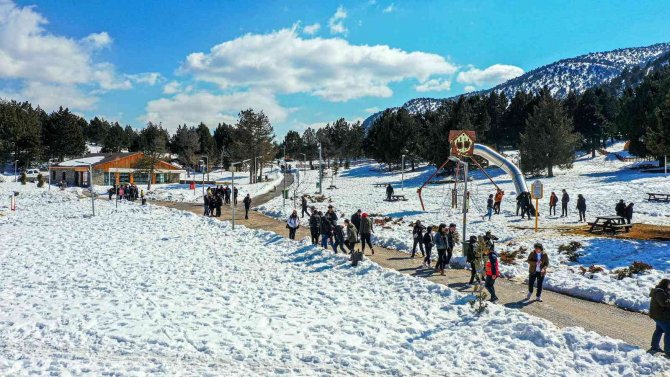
(304, 63)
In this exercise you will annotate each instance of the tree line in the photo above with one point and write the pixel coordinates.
(546, 130)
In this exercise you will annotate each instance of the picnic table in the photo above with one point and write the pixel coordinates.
(609, 224)
(656, 197)
(398, 197)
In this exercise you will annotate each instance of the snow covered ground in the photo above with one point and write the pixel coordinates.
(602, 180)
(149, 290)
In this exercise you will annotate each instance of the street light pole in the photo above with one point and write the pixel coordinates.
(15, 163)
(403, 173)
(201, 162)
(232, 184)
(320, 170)
(465, 195)
(283, 192)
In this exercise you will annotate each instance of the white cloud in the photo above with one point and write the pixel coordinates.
(469, 88)
(493, 75)
(434, 85)
(331, 68)
(389, 9)
(336, 23)
(312, 29)
(51, 96)
(149, 78)
(372, 110)
(171, 88)
(38, 59)
(202, 106)
(98, 40)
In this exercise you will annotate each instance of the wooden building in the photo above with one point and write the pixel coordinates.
(113, 168)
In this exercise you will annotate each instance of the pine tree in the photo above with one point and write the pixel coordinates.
(514, 120)
(590, 121)
(97, 130)
(114, 140)
(63, 134)
(254, 137)
(310, 145)
(223, 137)
(207, 143)
(20, 132)
(153, 141)
(548, 139)
(186, 143)
(658, 135)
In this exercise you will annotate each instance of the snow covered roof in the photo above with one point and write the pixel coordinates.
(93, 159)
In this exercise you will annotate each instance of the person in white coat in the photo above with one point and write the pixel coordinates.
(293, 223)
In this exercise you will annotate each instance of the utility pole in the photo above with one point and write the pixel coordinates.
(15, 164)
(232, 184)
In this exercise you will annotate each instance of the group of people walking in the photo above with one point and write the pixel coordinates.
(129, 192)
(218, 196)
(443, 239)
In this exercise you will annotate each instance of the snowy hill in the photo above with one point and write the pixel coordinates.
(573, 74)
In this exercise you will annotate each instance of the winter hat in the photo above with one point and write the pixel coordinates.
(538, 246)
(364, 215)
(452, 225)
(473, 238)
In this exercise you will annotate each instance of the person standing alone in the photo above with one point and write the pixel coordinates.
(492, 273)
(538, 261)
(581, 207)
(247, 205)
(293, 223)
(565, 199)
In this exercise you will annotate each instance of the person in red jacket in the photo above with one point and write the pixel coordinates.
(553, 201)
(498, 199)
(492, 273)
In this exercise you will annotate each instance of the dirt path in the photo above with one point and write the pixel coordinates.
(562, 310)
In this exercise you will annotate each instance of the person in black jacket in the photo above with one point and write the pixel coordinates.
(581, 207)
(489, 207)
(303, 205)
(628, 212)
(326, 230)
(471, 256)
(389, 192)
(314, 225)
(417, 234)
(356, 220)
(428, 246)
(564, 203)
(518, 202)
(659, 311)
(620, 208)
(451, 243)
(247, 205)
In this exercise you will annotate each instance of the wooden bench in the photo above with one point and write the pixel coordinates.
(656, 197)
(395, 198)
(609, 224)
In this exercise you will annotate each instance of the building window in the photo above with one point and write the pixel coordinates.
(141, 178)
(124, 178)
(161, 178)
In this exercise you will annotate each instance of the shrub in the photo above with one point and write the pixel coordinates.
(510, 257)
(23, 178)
(40, 180)
(571, 250)
(591, 270)
(633, 269)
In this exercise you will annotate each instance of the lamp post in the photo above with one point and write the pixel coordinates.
(304, 160)
(403, 173)
(465, 194)
(320, 169)
(90, 183)
(201, 162)
(15, 164)
(206, 158)
(51, 160)
(232, 184)
(283, 191)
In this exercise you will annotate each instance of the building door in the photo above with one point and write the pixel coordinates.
(76, 178)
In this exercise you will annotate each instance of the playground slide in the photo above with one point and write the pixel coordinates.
(508, 166)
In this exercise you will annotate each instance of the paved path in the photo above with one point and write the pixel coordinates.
(562, 310)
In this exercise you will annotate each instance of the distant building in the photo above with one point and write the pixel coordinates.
(113, 168)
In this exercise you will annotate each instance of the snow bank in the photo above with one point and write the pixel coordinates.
(148, 290)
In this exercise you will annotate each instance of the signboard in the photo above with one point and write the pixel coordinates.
(462, 142)
(536, 190)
